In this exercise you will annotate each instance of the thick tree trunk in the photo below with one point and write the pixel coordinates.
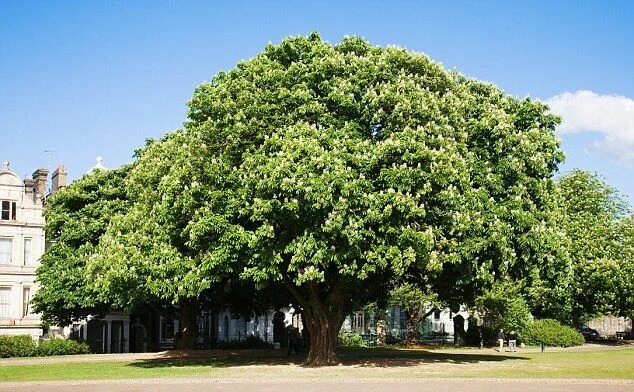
(189, 321)
(412, 328)
(323, 330)
(324, 314)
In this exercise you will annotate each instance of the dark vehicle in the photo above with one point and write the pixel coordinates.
(589, 333)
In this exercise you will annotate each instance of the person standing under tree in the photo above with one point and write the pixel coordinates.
(513, 341)
(501, 339)
(293, 335)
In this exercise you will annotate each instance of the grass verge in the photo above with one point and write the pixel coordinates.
(600, 363)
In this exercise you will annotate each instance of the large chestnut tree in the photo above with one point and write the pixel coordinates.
(337, 170)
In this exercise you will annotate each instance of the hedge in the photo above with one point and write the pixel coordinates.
(17, 346)
(351, 340)
(551, 333)
(25, 346)
(62, 347)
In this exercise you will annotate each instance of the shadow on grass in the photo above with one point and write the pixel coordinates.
(369, 357)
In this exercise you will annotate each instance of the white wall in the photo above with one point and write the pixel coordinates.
(265, 325)
(18, 274)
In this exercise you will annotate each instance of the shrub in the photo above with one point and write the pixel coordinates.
(551, 333)
(351, 340)
(503, 307)
(62, 347)
(17, 346)
(25, 346)
(249, 342)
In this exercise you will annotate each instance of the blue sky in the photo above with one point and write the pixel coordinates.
(91, 78)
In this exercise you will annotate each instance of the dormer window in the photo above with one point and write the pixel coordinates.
(8, 211)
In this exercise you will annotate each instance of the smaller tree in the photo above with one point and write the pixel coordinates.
(76, 217)
(503, 307)
(418, 305)
(599, 229)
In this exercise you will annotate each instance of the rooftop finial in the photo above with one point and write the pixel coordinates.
(99, 165)
(5, 165)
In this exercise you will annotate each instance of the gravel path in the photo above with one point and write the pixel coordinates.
(425, 384)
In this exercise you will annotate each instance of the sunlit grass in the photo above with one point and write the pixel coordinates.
(601, 363)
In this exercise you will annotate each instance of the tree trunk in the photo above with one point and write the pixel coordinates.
(412, 328)
(189, 321)
(324, 314)
(323, 330)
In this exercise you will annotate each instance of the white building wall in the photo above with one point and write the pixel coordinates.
(264, 329)
(19, 274)
(445, 322)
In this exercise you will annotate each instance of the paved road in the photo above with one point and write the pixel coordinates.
(435, 385)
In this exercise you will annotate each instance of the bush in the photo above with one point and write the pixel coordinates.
(17, 346)
(351, 340)
(551, 333)
(25, 346)
(247, 343)
(503, 308)
(62, 347)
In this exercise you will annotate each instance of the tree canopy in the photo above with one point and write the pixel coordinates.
(336, 170)
(76, 218)
(598, 225)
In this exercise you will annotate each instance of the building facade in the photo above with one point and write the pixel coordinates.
(440, 325)
(21, 247)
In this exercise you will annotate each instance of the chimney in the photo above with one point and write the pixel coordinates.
(28, 186)
(59, 179)
(39, 178)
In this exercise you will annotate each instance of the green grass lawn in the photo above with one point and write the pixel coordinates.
(601, 363)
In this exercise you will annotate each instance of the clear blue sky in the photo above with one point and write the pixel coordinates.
(97, 78)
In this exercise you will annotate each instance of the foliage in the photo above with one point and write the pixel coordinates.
(601, 363)
(412, 298)
(76, 217)
(338, 170)
(17, 346)
(414, 301)
(551, 333)
(347, 339)
(250, 342)
(503, 308)
(25, 346)
(62, 347)
(601, 245)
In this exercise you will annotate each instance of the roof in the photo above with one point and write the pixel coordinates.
(8, 177)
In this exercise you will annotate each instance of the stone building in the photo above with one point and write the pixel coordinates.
(22, 244)
(611, 326)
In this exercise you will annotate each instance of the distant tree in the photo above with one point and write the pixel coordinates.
(336, 170)
(626, 298)
(503, 307)
(417, 303)
(596, 222)
(76, 217)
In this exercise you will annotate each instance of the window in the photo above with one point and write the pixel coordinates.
(26, 301)
(8, 210)
(358, 321)
(5, 302)
(437, 314)
(241, 327)
(6, 250)
(28, 251)
(225, 326)
(167, 328)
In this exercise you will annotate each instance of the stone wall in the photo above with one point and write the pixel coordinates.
(608, 326)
